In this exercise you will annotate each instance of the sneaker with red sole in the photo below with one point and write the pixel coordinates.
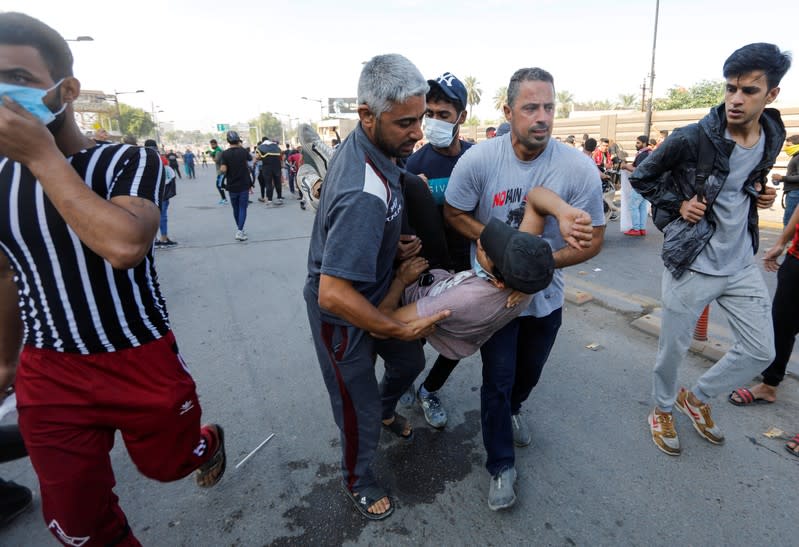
(642, 232)
(663, 433)
(632, 233)
(700, 418)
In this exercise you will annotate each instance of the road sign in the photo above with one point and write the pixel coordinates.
(222, 127)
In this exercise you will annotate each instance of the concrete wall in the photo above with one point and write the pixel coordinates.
(625, 127)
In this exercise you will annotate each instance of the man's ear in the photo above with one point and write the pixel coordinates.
(772, 95)
(70, 89)
(507, 111)
(461, 118)
(366, 116)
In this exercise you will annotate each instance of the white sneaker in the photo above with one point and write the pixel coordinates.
(501, 494)
(241, 236)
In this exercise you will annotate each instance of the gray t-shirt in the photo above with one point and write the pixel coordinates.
(357, 227)
(478, 310)
(492, 181)
(730, 248)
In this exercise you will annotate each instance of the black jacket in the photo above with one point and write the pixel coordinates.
(667, 178)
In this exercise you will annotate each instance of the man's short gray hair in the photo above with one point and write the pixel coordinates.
(387, 79)
(526, 75)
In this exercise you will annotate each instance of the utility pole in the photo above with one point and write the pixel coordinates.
(648, 121)
(643, 96)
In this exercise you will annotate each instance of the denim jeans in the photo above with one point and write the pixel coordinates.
(239, 201)
(220, 178)
(791, 200)
(164, 207)
(513, 359)
(638, 211)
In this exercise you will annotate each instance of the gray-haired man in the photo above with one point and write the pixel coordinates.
(354, 243)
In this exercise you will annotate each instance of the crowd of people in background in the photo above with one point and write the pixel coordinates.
(457, 243)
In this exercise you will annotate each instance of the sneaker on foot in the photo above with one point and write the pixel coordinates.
(632, 232)
(501, 494)
(663, 433)
(168, 243)
(408, 398)
(241, 236)
(434, 413)
(308, 177)
(262, 200)
(268, 203)
(700, 418)
(14, 500)
(222, 202)
(279, 201)
(521, 433)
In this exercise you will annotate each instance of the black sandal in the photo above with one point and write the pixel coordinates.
(216, 464)
(367, 497)
(398, 426)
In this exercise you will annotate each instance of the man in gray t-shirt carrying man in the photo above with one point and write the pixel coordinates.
(710, 236)
(354, 243)
(491, 180)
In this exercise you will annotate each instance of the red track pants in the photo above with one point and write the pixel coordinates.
(71, 405)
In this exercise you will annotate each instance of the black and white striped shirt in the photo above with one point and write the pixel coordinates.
(71, 299)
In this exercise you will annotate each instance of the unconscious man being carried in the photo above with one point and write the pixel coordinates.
(510, 266)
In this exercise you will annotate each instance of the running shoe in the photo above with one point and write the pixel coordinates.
(434, 413)
(663, 433)
(700, 418)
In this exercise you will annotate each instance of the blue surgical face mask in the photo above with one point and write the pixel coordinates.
(32, 100)
(438, 133)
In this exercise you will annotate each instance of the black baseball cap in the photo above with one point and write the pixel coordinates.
(525, 261)
(233, 137)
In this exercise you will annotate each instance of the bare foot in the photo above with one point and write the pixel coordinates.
(406, 431)
(379, 507)
(759, 391)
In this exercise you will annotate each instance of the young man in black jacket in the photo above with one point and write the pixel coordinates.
(712, 236)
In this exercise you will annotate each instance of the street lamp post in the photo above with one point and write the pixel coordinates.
(116, 101)
(648, 120)
(80, 39)
(156, 111)
(321, 106)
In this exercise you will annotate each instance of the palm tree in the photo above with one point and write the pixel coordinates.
(473, 92)
(501, 97)
(626, 102)
(565, 103)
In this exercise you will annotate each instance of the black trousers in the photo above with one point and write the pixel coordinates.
(785, 315)
(270, 181)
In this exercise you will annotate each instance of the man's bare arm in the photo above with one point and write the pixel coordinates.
(568, 256)
(575, 224)
(10, 325)
(463, 222)
(339, 297)
(121, 230)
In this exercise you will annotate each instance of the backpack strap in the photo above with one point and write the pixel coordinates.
(704, 163)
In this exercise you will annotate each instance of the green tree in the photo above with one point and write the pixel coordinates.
(268, 124)
(501, 97)
(628, 102)
(565, 102)
(135, 121)
(594, 105)
(473, 91)
(702, 94)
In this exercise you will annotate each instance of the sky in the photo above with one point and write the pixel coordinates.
(205, 62)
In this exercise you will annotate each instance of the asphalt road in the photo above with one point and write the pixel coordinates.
(591, 476)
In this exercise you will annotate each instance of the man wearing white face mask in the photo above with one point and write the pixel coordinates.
(446, 111)
(83, 324)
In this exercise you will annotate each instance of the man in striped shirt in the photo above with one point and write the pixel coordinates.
(79, 295)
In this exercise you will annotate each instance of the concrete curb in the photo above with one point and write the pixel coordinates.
(648, 313)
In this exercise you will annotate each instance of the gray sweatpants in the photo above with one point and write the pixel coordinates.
(347, 358)
(744, 298)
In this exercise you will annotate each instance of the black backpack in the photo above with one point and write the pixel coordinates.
(706, 155)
